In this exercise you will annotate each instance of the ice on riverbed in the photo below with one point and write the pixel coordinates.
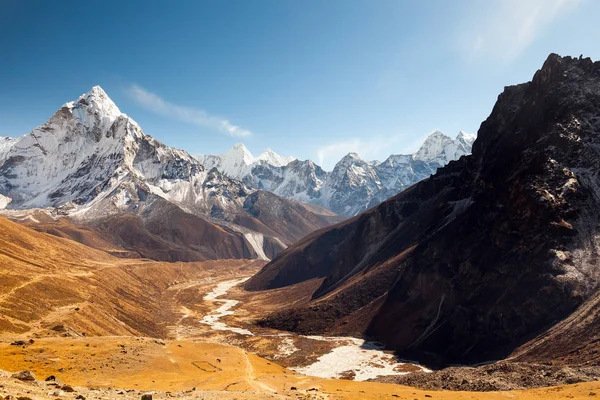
(351, 357)
(363, 360)
(212, 319)
(286, 348)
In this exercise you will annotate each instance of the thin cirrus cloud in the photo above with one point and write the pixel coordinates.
(504, 29)
(190, 115)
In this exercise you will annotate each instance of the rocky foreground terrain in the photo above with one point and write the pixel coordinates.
(79, 323)
(107, 327)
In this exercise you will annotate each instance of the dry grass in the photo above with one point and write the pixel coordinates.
(93, 318)
(143, 364)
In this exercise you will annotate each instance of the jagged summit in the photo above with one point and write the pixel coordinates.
(238, 161)
(239, 155)
(93, 163)
(240, 146)
(439, 148)
(272, 158)
(97, 93)
(352, 156)
(86, 145)
(433, 146)
(353, 185)
(95, 104)
(465, 135)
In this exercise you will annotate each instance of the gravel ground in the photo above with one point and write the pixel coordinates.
(499, 376)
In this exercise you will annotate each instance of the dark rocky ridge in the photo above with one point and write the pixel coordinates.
(479, 258)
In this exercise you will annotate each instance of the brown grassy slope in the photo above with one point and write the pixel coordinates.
(47, 281)
(172, 236)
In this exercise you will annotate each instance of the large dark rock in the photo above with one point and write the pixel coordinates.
(493, 249)
(25, 375)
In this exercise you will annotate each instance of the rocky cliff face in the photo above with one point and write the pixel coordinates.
(91, 162)
(353, 186)
(490, 251)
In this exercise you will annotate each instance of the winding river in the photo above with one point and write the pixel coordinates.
(352, 357)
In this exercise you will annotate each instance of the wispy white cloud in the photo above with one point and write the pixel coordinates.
(191, 115)
(504, 29)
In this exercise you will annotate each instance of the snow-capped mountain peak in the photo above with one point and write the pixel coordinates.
(433, 146)
(238, 161)
(239, 154)
(354, 184)
(466, 136)
(87, 145)
(93, 163)
(94, 109)
(466, 139)
(440, 149)
(272, 158)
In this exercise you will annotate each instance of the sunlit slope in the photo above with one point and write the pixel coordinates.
(46, 281)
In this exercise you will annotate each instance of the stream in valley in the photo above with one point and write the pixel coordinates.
(351, 357)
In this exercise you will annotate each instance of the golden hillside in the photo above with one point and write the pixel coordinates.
(97, 321)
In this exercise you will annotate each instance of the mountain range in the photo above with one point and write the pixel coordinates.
(94, 169)
(93, 166)
(353, 186)
(485, 271)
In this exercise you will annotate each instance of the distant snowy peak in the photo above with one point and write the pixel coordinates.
(238, 161)
(241, 153)
(433, 146)
(466, 137)
(274, 159)
(6, 143)
(353, 185)
(441, 149)
(350, 163)
(91, 162)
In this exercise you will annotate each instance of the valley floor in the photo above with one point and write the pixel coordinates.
(196, 362)
(118, 328)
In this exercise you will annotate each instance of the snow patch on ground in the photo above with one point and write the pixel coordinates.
(286, 348)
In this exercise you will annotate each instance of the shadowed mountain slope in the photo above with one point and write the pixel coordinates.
(474, 261)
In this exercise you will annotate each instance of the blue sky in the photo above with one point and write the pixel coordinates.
(314, 79)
